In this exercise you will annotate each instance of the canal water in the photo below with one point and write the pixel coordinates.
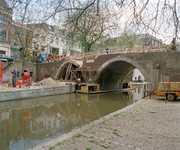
(29, 122)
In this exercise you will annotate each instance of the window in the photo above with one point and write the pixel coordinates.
(28, 34)
(43, 38)
(28, 45)
(16, 31)
(36, 47)
(51, 39)
(57, 41)
(4, 20)
(3, 35)
(55, 51)
(153, 42)
(64, 52)
(2, 52)
(42, 48)
(37, 37)
(22, 33)
(15, 43)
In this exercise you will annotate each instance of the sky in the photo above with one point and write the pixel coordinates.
(161, 27)
(38, 10)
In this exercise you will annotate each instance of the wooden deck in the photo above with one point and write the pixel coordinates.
(103, 91)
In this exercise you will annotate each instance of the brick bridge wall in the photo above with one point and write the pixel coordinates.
(112, 69)
(53, 69)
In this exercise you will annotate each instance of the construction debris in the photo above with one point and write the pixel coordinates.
(46, 82)
(49, 82)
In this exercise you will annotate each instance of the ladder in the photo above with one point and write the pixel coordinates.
(68, 71)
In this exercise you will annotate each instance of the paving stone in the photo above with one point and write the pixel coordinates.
(130, 146)
(122, 144)
(115, 143)
(138, 148)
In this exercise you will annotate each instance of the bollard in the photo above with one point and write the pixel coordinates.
(70, 87)
(90, 80)
(78, 83)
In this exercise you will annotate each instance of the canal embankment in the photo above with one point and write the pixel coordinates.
(21, 93)
(46, 87)
(147, 124)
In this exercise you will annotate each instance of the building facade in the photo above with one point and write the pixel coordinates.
(148, 40)
(5, 28)
(37, 38)
(21, 37)
(47, 39)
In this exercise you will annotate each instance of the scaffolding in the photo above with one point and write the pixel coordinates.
(68, 72)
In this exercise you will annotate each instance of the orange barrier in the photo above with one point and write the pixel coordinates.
(53, 57)
(19, 83)
(25, 82)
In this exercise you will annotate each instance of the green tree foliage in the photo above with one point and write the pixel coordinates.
(127, 40)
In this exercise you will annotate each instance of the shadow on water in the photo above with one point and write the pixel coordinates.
(29, 122)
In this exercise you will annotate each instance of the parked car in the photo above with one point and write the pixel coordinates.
(5, 58)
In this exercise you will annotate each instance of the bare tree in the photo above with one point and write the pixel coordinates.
(160, 18)
(88, 29)
(22, 37)
(28, 25)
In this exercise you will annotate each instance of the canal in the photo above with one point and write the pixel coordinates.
(29, 122)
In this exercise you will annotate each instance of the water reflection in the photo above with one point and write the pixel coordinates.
(29, 122)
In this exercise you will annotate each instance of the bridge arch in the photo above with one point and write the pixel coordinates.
(112, 73)
(63, 67)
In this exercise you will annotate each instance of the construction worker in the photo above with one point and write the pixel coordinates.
(14, 77)
(173, 47)
(107, 49)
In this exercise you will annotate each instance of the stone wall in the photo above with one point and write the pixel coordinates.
(155, 66)
(37, 92)
(30, 67)
(111, 70)
(53, 69)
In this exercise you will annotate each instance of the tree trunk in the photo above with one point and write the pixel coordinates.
(23, 64)
(23, 61)
(87, 47)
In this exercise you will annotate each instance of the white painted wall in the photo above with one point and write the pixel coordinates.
(48, 44)
(6, 48)
(137, 73)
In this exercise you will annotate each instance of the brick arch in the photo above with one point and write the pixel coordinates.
(112, 73)
(65, 63)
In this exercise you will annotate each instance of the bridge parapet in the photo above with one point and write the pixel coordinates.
(144, 49)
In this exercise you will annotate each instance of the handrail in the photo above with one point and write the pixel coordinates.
(153, 48)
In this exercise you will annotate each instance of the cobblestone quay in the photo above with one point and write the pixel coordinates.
(149, 124)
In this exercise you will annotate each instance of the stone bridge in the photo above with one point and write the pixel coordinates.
(110, 70)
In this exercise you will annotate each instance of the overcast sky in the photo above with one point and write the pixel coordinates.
(161, 27)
